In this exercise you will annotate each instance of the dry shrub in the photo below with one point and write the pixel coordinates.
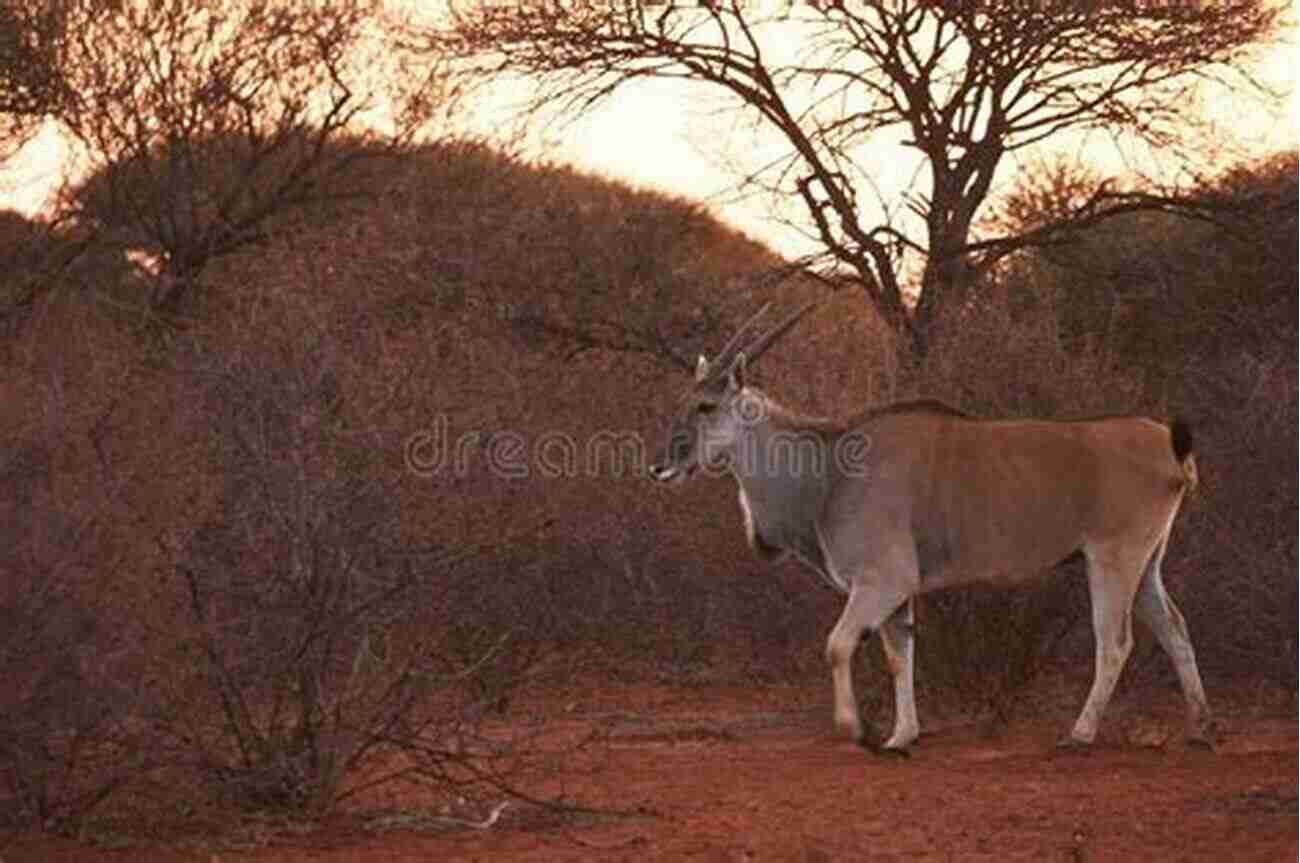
(66, 739)
(1235, 547)
(64, 745)
(312, 642)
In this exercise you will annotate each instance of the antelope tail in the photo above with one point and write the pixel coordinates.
(1180, 439)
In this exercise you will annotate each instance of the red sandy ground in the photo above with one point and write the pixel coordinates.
(756, 774)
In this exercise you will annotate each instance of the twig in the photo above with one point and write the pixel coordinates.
(422, 819)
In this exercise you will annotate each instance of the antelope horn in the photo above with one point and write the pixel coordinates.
(756, 349)
(728, 352)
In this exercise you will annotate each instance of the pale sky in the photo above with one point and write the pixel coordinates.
(671, 136)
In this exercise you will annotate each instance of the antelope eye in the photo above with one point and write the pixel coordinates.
(706, 408)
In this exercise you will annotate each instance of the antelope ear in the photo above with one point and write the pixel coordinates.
(736, 374)
(701, 369)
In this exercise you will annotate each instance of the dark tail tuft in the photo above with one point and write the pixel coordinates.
(1181, 438)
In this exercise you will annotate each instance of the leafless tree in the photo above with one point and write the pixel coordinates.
(204, 121)
(967, 84)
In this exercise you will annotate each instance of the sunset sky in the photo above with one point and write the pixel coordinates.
(678, 137)
(668, 135)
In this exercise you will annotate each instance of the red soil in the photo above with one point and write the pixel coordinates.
(756, 774)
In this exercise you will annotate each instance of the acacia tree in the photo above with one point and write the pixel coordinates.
(969, 82)
(205, 120)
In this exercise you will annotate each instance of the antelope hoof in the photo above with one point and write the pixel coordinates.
(901, 740)
(1070, 743)
(1204, 735)
(885, 750)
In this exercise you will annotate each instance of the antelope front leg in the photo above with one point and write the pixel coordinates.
(866, 609)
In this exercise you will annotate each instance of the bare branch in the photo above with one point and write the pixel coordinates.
(970, 81)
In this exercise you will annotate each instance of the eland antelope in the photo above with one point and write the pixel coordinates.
(916, 496)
